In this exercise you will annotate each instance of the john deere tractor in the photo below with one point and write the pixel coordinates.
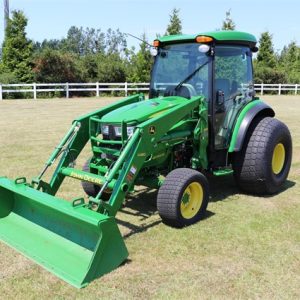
(202, 117)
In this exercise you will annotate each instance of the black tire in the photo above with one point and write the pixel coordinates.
(179, 185)
(255, 167)
(89, 188)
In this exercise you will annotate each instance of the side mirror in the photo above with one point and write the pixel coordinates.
(254, 49)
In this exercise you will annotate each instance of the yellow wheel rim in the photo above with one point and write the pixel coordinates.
(278, 158)
(191, 200)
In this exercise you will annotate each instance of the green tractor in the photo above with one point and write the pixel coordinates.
(202, 117)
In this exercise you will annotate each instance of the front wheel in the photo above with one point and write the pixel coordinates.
(264, 162)
(91, 189)
(182, 199)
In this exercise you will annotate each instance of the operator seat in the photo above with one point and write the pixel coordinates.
(186, 91)
(220, 111)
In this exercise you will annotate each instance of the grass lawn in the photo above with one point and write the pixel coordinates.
(247, 247)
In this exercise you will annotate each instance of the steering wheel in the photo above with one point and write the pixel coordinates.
(185, 91)
(191, 89)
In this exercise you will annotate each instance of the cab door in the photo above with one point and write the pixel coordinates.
(233, 89)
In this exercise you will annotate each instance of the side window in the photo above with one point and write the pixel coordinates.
(233, 89)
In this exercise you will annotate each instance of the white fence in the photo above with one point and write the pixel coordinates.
(278, 88)
(67, 88)
(125, 87)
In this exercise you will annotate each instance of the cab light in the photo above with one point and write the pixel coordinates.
(156, 43)
(203, 39)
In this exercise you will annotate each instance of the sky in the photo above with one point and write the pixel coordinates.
(51, 19)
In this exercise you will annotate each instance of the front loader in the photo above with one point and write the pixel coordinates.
(202, 117)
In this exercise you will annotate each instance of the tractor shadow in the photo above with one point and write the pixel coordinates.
(225, 186)
(287, 185)
(222, 187)
(142, 205)
(141, 209)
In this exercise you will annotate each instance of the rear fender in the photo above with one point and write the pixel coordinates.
(245, 118)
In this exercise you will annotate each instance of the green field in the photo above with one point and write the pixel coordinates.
(247, 247)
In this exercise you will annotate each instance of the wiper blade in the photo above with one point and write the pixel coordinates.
(190, 76)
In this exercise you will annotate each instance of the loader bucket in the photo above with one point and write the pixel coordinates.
(71, 241)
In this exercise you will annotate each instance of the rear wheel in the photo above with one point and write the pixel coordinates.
(264, 162)
(183, 197)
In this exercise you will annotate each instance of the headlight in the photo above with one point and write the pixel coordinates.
(105, 129)
(130, 130)
(118, 130)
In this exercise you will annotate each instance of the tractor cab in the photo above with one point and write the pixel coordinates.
(213, 65)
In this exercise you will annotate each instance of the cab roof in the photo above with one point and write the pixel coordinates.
(225, 36)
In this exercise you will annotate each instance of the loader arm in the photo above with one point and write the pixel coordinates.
(76, 145)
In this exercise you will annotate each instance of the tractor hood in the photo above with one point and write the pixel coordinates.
(142, 111)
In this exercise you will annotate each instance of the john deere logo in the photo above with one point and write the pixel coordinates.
(152, 129)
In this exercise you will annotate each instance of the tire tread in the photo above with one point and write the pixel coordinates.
(170, 192)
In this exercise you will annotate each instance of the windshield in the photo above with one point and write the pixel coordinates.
(180, 69)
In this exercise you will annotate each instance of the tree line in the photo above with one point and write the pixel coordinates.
(91, 55)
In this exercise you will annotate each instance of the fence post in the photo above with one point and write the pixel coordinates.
(1, 97)
(97, 89)
(67, 90)
(296, 89)
(279, 89)
(126, 89)
(262, 89)
(34, 91)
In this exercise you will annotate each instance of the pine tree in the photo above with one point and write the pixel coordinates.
(289, 55)
(228, 23)
(266, 68)
(290, 62)
(266, 55)
(175, 26)
(17, 50)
